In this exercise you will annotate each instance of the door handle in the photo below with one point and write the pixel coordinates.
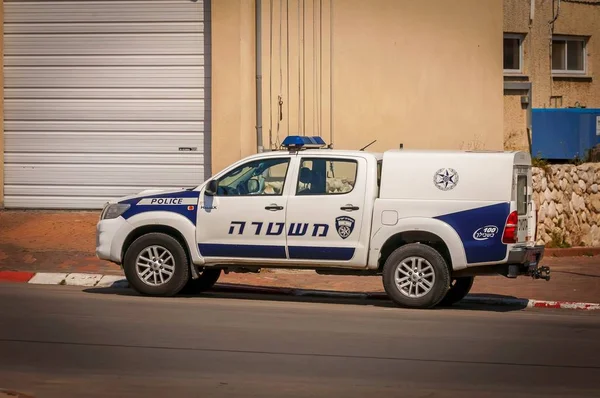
(273, 207)
(349, 208)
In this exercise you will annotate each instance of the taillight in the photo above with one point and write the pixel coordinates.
(510, 230)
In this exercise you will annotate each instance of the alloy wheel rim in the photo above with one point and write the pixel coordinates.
(155, 265)
(414, 277)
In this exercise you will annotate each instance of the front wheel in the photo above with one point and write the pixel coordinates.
(416, 276)
(156, 265)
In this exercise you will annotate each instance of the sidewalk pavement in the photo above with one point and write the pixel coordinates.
(43, 241)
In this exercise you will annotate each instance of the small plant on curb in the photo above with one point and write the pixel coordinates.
(557, 241)
(542, 164)
(557, 238)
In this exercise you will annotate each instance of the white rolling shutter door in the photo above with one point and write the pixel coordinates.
(104, 99)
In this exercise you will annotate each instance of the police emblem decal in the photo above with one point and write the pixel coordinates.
(445, 179)
(344, 226)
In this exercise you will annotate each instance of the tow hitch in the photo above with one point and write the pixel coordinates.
(542, 272)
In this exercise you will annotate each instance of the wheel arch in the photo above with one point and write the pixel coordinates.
(168, 223)
(154, 228)
(434, 233)
(407, 237)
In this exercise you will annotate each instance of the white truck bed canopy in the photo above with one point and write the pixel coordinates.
(450, 175)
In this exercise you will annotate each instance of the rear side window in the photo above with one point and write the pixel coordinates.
(522, 195)
(321, 176)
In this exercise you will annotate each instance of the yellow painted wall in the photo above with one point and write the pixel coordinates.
(424, 73)
(233, 82)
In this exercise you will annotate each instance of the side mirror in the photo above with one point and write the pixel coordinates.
(211, 188)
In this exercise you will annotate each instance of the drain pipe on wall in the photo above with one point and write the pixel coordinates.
(258, 38)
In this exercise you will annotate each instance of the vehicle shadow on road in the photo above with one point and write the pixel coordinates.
(576, 273)
(245, 292)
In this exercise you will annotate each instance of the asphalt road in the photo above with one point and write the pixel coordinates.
(62, 341)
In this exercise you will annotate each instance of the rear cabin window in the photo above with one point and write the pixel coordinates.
(321, 176)
(522, 195)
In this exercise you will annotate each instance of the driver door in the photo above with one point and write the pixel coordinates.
(245, 220)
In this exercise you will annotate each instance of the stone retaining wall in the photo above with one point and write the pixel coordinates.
(568, 201)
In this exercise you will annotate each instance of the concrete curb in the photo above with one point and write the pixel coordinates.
(119, 282)
(572, 252)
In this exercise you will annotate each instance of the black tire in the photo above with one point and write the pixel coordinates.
(441, 273)
(459, 288)
(205, 281)
(181, 271)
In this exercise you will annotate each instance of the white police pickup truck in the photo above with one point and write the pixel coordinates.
(427, 221)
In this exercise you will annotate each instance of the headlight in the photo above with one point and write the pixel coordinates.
(114, 210)
(104, 210)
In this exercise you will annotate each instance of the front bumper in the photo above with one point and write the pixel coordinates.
(110, 237)
(525, 260)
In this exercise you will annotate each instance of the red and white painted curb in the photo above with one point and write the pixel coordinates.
(58, 278)
(117, 281)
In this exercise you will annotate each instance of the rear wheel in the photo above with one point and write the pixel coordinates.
(416, 276)
(459, 288)
(205, 281)
(156, 265)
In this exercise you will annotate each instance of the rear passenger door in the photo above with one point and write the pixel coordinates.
(325, 211)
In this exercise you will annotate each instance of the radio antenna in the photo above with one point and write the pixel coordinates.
(368, 145)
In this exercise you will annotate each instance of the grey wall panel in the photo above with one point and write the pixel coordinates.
(60, 109)
(185, 158)
(196, 60)
(104, 93)
(106, 143)
(42, 201)
(104, 11)
(103, 175)
(109, 44)
(89, 191)
(105, 77)
(115, 127)
(106, 27)
(104, 99)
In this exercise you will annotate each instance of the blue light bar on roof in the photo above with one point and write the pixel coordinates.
(298, 141)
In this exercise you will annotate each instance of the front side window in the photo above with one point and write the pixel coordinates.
(568, 55)
(321, 176)
(258, 177)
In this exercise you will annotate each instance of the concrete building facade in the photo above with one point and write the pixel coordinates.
(551, 57)
(103, 99)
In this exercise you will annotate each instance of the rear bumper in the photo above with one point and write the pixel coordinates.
(526, 261)
(531, 255)
(522, 260)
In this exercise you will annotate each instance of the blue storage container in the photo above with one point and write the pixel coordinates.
(562, 134)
